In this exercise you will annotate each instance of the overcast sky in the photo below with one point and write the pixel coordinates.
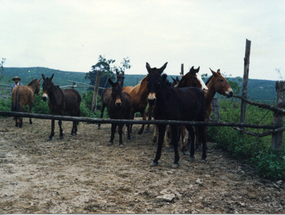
(70, 35)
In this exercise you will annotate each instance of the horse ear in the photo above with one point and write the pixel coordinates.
(123, 73)
(218, 71)
(163, 68)
(39, 80)
(111, 82)
(148, 67)
(51, 77)
(198, 69)
(173, 79)
(213, 72)
(43, 76)
(192, 70)
(117, 72)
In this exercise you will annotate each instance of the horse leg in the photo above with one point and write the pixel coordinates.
(128, 129)
(154, 137)
(191, 136)
(52, 130)
(30, 110)
(144, 118)
(120, 135)
(183, 138)
(174, 132)
(102, 112)
(161, 131)
(149, 117)
(60, 129)
(74, 128)
(202, 138)
(113, 130)
(22, 107)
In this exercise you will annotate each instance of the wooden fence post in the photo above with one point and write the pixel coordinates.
(216, 108)
(278, 119)
(245, 80)
(95, 94)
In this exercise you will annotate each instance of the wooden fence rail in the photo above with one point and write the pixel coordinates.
(97, 120)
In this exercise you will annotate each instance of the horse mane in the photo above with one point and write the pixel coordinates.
(137, 87)
(208, 81)
(31, 83)
(164, 78)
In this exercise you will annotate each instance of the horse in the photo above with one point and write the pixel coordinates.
(106, 94)
(185, 104)
(216, 84)
(119, 107)
(24, 95)
(59, 102)
(191, 79)
(138, 95)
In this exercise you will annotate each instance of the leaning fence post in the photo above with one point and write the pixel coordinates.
(278, 119)
(95, 94)
(245, 80)
(182, 70)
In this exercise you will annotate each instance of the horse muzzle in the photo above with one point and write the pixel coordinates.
(44, 97)
(151, 98)
(229, 94)
(118, 102)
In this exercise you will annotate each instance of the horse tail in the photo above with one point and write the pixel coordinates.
(16, 102)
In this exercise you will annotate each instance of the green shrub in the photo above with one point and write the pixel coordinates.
(256, 151)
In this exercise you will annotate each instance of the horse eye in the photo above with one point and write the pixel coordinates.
(221, 80)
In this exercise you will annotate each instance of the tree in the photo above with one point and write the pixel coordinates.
(1, 65)
(108, 71)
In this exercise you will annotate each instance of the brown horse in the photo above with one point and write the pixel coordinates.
(119, 107)
(216, 84)
(138, 95)
(24, 95)
(106, 94)
(59, 102)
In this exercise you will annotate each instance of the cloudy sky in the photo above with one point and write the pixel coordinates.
(70, 35)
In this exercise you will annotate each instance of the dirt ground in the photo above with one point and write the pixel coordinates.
(81, 174)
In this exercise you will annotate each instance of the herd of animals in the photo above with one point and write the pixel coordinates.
(187, 99)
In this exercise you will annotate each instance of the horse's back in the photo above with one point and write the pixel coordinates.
(72, 98)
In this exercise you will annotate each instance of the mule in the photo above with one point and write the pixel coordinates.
(191, 79)
(106, 94)
(185, 104)
(138, 95)
(24, 95)
(119, 107)
(60, 102)
(216, 84)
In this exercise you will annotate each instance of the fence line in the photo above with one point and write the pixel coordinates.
(124, 121)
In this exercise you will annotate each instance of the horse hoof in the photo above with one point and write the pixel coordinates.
(61, 137)
(203, 160)
(175, 165)
(31, 122)
(191, 159)
(110, 143)
(140, 132)
(197, 150)
(154, 164)
(146, 130)
(121, 145)
(98, 127)
(49, 138)
(186, 153)
(171, 150)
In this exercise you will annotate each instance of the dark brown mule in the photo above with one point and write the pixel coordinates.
(191, 79)
(216, 84)
(24, 95)
(171, 103)
(138, 95)
(60, 102)
(119, 107)
(106, 94)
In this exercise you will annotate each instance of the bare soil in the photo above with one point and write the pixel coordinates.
(81, 174)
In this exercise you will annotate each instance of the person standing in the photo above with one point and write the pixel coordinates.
(16, 79)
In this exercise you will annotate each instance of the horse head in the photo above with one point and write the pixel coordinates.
(220, 84)
(47, 85)
(120, 77)
(116, 92)
(193, 79)
(153, 81)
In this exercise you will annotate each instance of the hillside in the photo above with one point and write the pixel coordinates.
(258, 90)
